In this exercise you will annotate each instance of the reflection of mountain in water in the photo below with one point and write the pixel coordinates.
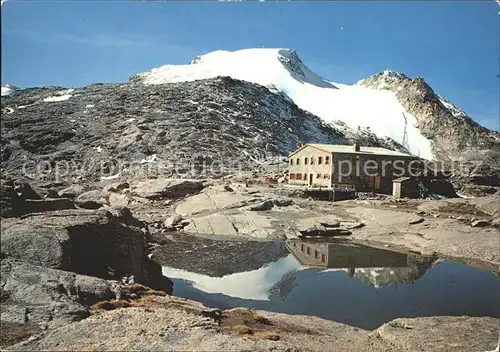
(348, 283)
(215, 257)
(384, 277)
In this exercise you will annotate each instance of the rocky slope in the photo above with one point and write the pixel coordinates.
(455, 136)
(216, 125)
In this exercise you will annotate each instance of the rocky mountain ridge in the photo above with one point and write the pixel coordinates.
(219, 124)
(455, 135)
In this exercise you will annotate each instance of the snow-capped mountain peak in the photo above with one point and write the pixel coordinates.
(376, 103)
(8, 89)
(278, 67)
(281, 70)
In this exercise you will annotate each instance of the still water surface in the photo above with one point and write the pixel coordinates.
(351, 284)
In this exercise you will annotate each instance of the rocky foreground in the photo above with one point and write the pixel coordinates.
(78, 268)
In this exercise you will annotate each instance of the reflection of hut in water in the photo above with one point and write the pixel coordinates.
(378, 267)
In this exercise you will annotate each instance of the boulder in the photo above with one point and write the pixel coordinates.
(172, 221)
(352, 225)
(416, 221)
(71, 191)
(90, 200)
(118, 199)
(496, 222)
(156, 189)
(265, 205)
(116, 187)
(330, 223)
(106, 243)
(282, 202)
(480, 223)
(48, 297)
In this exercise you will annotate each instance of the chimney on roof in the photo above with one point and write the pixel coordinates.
(356, 147)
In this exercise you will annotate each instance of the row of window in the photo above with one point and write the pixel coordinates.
(304, 177)
(311, 160)
(308, 251)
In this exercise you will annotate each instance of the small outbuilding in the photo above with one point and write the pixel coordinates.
(405, 187)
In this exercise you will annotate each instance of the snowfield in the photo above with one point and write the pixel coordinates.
(282, 70)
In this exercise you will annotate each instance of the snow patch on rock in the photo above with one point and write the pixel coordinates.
(8, 90)
(61, 96)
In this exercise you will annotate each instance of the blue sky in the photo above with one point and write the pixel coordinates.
(453, 45)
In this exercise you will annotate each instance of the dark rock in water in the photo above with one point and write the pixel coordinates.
(228, 188)
(101, 243)
(265, 205)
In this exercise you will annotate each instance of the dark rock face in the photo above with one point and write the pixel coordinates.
(96, 243)
(456, 138)
(48, 297)
(10, 202)
(454, 135)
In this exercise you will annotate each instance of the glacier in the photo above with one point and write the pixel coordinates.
(282, 70)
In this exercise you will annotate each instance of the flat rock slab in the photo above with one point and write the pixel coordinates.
(187, 326)
(445, 236)
(246, 223)
(310, 222)
(166, 188)
(441, 334)
(211, 200)
(160, 329)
